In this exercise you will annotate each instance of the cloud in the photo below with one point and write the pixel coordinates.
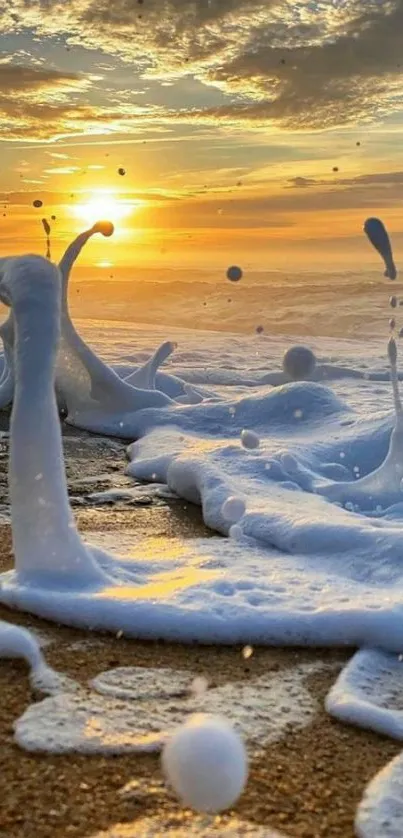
(33, 101)
(21, 79)
(279, 63)
(383, 181)
(301, 182)
(61, 170)
(45, 103)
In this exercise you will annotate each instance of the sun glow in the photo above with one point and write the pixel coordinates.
(104, 205)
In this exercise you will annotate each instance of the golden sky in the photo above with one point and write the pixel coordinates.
(249, 132)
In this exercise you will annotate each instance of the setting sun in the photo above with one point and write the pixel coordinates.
(104, 205)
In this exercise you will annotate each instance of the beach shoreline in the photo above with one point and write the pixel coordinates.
(306, 785)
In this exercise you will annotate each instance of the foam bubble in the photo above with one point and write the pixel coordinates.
(299, 363)
(249, 439)
(205, 762)
(233, 509)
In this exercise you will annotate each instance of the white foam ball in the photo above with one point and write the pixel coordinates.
(299, 363)
(236, 532)
(249, 439)
(234, 273)
(233, 509)
(205, 763)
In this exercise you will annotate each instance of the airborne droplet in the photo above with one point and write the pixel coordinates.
(234, 273)
(378, 236)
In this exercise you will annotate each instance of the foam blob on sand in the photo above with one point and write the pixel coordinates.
(380, 813)
(368, 692)
(186, 825)
(205, 763)
(138, 708)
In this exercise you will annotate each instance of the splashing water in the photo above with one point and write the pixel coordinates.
(378, 236)
(47, 229)
(300, 571)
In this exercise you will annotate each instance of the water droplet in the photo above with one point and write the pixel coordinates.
(249, 439)
(234, 273)
(199, 686)
(247, 652)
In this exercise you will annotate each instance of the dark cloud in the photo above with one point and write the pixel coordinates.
(301, 182)
(17, 78)
(381, 180)
(42, 103)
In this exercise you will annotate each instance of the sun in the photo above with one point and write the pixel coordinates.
(104, 205)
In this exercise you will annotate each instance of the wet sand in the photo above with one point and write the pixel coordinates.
(306, 785)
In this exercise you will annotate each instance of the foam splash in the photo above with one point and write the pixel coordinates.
(17, 642)
(305, 568)
(378, 236)
(86, 386)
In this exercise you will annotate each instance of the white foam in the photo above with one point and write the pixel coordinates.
(369, 692)
(137, 709)
(184, 825)
(86, 386)
(18, 642)
(308, 571)
(380, 813)
(205, 763)
(129, 493)
(317, 555)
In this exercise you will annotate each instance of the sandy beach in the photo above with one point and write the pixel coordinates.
(306, 785)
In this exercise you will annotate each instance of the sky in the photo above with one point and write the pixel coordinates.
(211, 132)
